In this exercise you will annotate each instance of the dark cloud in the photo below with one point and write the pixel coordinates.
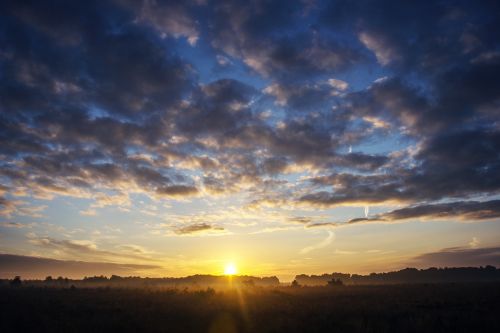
(177, 190)
(133, 74)
(458, 210)
(451, 164)
(421, 35)
(38, 268)
(219, 108)
(360, 189)
(7, 207)
(459, 257)
(82, 85)
(305, 97)
(278, 39)
(465, 210)
(168, 18)
(112, 63)
(466, 93)
(300, 219)
(274, 165)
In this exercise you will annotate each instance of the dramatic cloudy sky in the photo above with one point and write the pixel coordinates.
(169, 137)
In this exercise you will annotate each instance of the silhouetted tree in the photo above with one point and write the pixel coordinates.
(16, 281)
(249, 283)
(295, 284)
(335, 283)
(115, 278)
(490, 269)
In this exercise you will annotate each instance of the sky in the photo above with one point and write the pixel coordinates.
(169, 138)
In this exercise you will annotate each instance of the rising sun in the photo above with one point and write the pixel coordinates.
(230, 269)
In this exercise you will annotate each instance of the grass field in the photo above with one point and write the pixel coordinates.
(394, 308)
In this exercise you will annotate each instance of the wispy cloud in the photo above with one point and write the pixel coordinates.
(324, 243)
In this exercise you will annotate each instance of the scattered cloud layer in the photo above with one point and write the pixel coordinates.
(285, 103)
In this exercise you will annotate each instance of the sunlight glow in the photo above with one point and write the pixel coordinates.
(230, 269)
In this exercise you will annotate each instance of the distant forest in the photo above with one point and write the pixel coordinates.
(407, 275)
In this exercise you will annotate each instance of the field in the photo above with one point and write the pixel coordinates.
(390, 308)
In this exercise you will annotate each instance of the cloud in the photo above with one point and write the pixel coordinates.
(463, 210)
(86, 110)
(217, 108)
(300, 219)
(168, 19)
(251, 32)
(305, 97)
(324, 243)
(177, 190)
(38, 268)
(16, 225)
(223, 60)
(338, 84)
(197, 228)
(425, 178)
(459, 210)
(9, 208)
(474, 243)
(408, 34)
(384, 52)
(459, 257)
(84, 249)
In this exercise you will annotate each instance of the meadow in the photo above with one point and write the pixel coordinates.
(449, 307)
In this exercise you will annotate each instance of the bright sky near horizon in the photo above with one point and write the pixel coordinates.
(284, 137)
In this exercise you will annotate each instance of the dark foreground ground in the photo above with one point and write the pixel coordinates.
(397, 308)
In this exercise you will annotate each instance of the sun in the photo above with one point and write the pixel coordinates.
(230, 269)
